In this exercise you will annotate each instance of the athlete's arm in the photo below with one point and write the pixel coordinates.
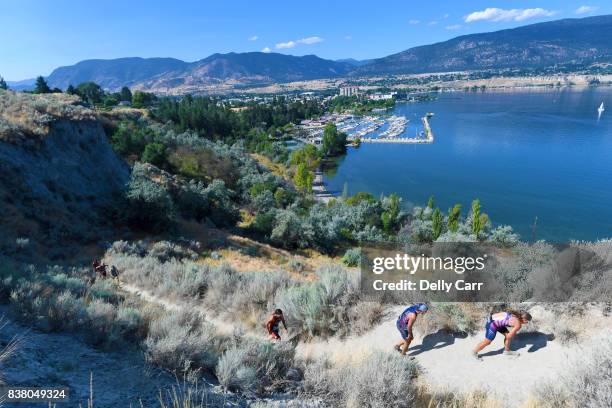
(511, 334)
(411, 319)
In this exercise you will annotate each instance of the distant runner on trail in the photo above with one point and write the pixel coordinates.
(499, 322)
(114, 272)
(404, 324)
(273, 324)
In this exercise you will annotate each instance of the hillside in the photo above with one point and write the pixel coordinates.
(153, 73)
(113, 73)
(58, 173)
(583, 40)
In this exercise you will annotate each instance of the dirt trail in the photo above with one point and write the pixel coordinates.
(446, 360)
(222, 326)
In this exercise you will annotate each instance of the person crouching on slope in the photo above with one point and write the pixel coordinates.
(273, 324)
(499, 322)
(404, 324)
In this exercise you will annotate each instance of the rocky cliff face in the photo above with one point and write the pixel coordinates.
(59, 187)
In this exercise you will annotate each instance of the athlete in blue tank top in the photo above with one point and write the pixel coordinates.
(404, 324)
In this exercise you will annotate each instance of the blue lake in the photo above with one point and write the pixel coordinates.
(525, 154)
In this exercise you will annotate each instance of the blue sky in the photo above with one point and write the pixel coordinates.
(38, 36)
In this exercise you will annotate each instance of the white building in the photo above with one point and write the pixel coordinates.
(381, 96)
(349, 91)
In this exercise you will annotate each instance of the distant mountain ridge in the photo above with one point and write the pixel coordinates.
(537, 45)
(249, 67)
(584, 40)
(113, 73)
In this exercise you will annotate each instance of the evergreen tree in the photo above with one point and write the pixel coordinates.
(479, 221)
(91, 92)
(430, 203)
(454, 215)
(41, 86)
(126, 94)
(70, 90)
(437, 222)
(3, 84)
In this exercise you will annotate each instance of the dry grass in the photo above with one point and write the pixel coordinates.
(247, 255)
(23, 114)
(428, 398)
(275, 168)
(9, 350)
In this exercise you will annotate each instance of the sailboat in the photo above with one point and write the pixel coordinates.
(600, 110)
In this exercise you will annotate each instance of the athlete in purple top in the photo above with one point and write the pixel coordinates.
(499, 323)
(404, 324)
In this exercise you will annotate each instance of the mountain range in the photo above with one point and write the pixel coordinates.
(584, 41)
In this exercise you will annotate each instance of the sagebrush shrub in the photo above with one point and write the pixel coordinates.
(379, 380)
(182, 341)
(587, 382)
(256, 367)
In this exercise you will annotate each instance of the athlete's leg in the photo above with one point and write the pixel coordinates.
(406, 342)
(490, 333)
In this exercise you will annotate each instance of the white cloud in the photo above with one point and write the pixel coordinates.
(446, 15)
(432, 23)
(310, 40)
(586, 9)
(497, 14)
(413, 22)
(266, 50)
(253, 38)
(288, 44)
(307, 41)
(453, 27)
(348, 37)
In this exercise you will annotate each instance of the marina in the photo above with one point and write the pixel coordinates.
(366, 129)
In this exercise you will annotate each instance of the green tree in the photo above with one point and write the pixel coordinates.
(282, 197)
(154, 153)
(3, 84)
(390, 217)
(308, 155)
(303, 178)
(437, 223)
(430, 203)
(142, 99)
(41, 86)
(71, 90)
(126, 94)
(359, 197)
(454, 216)
(90, 92)
(334, 142)
(479, 220)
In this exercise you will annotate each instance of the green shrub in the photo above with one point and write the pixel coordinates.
(154, 153)
(352, 257)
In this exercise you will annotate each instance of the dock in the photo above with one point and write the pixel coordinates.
(314, 135)
(429, 136)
